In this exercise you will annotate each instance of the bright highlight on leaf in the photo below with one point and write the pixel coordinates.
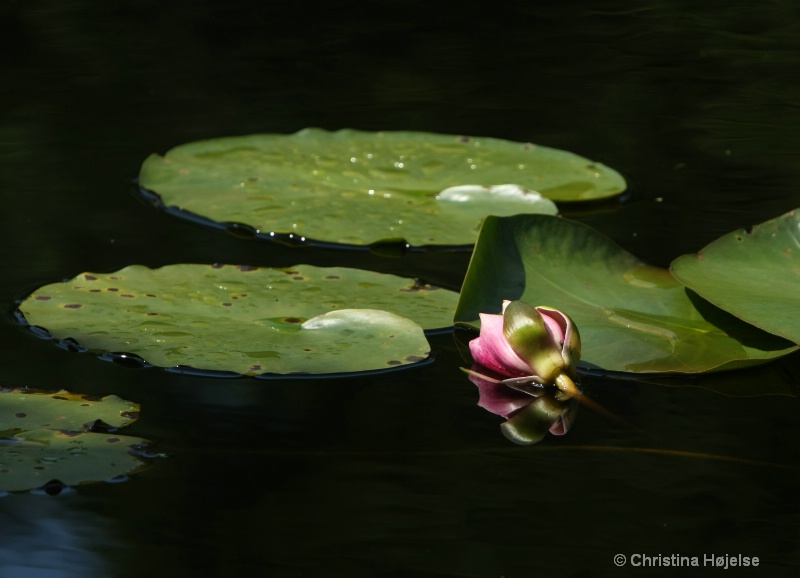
(359, 188)
(755, 276)
(632, 317)
(247, 320)
(47, 437)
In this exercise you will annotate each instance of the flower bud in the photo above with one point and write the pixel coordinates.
(525, 341)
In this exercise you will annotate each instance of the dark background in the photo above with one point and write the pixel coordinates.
(698, 105)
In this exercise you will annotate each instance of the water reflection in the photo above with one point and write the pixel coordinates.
(50, 538)
(531, 410)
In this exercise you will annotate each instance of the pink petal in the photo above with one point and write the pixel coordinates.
(491, 349)
(555, 327)
(498, 398)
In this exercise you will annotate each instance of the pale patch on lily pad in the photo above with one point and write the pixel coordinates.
(359, 188)
(477, 201)
(247, 320)
(46, 437)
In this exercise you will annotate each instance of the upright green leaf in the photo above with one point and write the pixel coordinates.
(632, 317)
(754, 275)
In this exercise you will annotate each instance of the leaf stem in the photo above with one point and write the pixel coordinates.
(565, 384)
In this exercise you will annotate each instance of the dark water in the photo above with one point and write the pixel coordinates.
(398, 475)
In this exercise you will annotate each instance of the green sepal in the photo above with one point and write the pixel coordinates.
(531, 423)
(526, 332)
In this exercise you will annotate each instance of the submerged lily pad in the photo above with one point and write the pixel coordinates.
(632, 317)
(46, 437)
(755, 275)
(360, 188)
(247, 320)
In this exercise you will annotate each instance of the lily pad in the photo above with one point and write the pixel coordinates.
(21, 411)
(632, 317)
(359, 188)
(247, 320)
(46, 437)
(753, 275)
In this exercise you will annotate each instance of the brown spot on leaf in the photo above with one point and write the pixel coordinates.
(395, 362)
(43, 298)
(247, 268)
(112, 440)
(332, 277)
(20, 414)
(73, 306)
(90, 277)
(413, 358)
(112, 289)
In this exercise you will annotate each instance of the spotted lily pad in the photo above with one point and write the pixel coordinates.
(360, 188)
(632, 317)
(754, 275)
(247, 320)
(46, 437)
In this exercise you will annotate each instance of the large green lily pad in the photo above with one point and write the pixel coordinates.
(247, 320)
(632, 317)
(754, 275)
(359, 188)
(46, 437)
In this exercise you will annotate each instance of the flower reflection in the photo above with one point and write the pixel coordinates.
(531, 410)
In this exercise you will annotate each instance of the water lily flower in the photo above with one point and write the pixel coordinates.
(528, 344)
(526, 366)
